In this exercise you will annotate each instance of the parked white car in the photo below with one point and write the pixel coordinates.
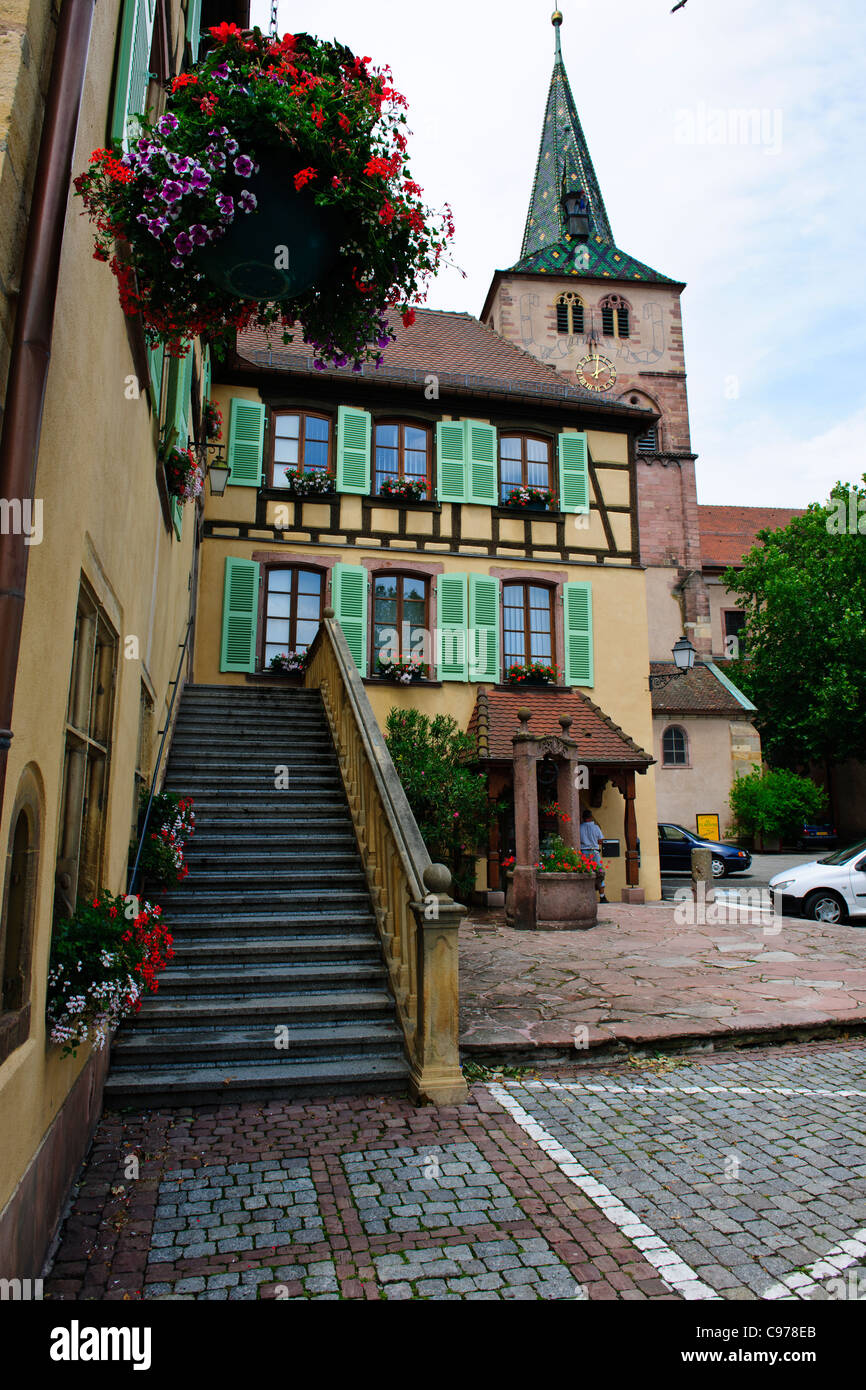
(827, 890)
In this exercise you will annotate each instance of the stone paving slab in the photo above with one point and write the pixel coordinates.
(641, 978)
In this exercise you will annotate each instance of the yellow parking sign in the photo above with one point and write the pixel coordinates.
(708, 827)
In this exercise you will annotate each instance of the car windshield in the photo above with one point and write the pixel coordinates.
(843, 855)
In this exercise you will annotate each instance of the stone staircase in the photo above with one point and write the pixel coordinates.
(274, 934)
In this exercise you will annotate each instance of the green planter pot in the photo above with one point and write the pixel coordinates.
(248, 262)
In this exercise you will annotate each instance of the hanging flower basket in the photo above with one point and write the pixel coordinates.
(183, 474)
(272, 191)
(212, 421)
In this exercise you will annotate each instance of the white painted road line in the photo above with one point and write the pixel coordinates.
(802, 1282)
(605, 1089)
(671, 1269)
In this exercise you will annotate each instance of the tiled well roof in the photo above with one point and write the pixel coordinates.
(727, 533)
(699, 691)
(494, 723)
(457, 348)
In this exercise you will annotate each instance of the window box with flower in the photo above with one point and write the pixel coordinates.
(531, 673)
(313, 482)
(290, 666)
(403, 672)
(211, 422)
(404, 489)
(529, 499)
(273, 191)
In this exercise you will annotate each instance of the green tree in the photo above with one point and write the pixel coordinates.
(774, 802)
(447, 796)
(803, 589)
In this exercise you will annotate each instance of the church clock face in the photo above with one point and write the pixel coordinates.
(596, 373)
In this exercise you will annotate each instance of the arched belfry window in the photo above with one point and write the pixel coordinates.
(615, 317)
(569, 313)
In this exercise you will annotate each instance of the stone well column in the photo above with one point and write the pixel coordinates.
(525, 824)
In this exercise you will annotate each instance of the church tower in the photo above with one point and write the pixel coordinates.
(613, 326)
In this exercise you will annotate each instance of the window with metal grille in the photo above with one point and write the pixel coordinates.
(675, 747)
(569, 314)
(648, 443)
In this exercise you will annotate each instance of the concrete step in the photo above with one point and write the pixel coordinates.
(171, 1086)
(346, 949)
(241, 981)
(258, 1042)
(314, 1006)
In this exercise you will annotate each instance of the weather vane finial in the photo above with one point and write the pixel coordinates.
(556, 21)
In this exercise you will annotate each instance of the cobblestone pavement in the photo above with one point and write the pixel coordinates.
(642, 976)
(741, 1176)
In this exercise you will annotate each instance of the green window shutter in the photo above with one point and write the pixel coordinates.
(451, 461)
(451, 634)
(193, 24)
(177, 516)
(577, 607)
(133, 67)
(240, 615)
(177, 397)
(481, 451)
(573, 473)
(484, 628)
(246, 442)
(354, 429)
(155, 357)
(206, 374)
(349, 598)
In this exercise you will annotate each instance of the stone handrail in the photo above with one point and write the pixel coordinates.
(416, 917)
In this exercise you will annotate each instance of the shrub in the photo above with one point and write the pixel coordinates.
(774, 801)
(448, 798)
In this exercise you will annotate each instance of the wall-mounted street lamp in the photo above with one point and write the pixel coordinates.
(684, 659)
(215, 468)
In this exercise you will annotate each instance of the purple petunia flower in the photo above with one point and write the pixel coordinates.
(232, 146)
(226, 205)
(247, 201)
(221, 72)
(177, 262)
(244, 166)
(167, 123)
(199, 179)
(183, 243)
(178, 163)
(157, 225)
(198, 234)
(172, 190)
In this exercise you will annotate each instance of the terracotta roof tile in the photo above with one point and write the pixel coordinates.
(728, 532)
(456, 347)
(494, 722)
(697, 692)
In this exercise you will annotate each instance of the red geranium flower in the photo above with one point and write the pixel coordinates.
(304, 176)
(223, 32)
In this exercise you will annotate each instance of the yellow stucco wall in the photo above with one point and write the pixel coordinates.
(102, 518)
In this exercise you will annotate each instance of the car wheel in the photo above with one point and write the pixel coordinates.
(720, 868)
(824, 906)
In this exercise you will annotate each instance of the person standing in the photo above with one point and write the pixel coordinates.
(591, 841)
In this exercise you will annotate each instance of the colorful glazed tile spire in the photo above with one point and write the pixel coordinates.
(564, 163)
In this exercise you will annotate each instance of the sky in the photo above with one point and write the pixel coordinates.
(764, 218)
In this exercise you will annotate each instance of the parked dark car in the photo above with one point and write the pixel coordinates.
(818, 834)
(675, 852)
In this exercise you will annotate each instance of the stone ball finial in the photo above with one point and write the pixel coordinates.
(437, 878)
(556, 18)
(330, 613)
(524, 715)
(566, 721)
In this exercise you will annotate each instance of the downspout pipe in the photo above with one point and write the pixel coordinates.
(31, 341)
